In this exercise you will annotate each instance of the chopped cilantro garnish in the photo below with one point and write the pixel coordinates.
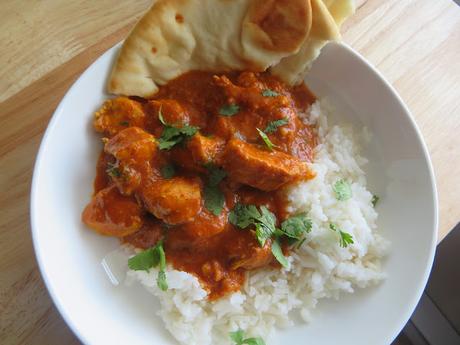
(215, 174)
(145, 260)
(375, 200)
(161, 279)
(172, 136)
(278, 253)
(269, 93)
(264, 221)
(266, 140)
(296, 226)
(342, 190)
(124, 123)
(213, 197)
(345, 237)
(273, 125)
(229, 109)
(113, 170)
(168, 171)
(239, 339)
(149, 258)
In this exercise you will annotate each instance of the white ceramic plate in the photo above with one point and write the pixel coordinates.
(400, 172)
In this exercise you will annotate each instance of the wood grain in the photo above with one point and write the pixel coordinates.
(27, 314)
(37, 36)
(414, 43)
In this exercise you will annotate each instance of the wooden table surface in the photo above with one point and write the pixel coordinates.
(46, 45)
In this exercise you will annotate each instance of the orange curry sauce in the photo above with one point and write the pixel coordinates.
(134, 201)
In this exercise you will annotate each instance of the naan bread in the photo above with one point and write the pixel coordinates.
(328, 15)
(177, 36)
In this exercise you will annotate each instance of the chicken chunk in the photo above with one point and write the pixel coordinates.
(250, 95)
(132, 145)
(147, 236)
(133, 148)
(262, 169)
(112, 214)
(198, 151)
(206, 224)
(117, 114)
(175, 201)
(245, 252)
(172, 112)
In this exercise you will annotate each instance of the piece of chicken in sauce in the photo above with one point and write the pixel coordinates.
(175, 168)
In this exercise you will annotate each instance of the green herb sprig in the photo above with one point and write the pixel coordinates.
(243, 216)
(149, 258)
(214, 199)
(266, 140)
(264, 223)
(269, 93)
(172, 135)
(345, 237)
(238, 338)
(229, 109)
(342, 190)
(274, 125)
(167, 171)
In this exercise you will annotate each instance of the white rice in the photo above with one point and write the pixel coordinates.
(319, 269)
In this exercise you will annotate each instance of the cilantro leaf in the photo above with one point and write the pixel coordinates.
(215, 174)
(214, 199)
(145, 260)
(167, 171)
(238, 338)
(188, 131)
(243, 215)
(264, 221)
(266, 140)
(149, 258)
(229, 109)
(345, 237)
(161, 279)
(263, 233)
(267, 217)
(375, 200)
(278, 253)
(266, 226)
(273, 125)
(295, 226)
(172, 136)
(269, 93)
(342, 190)
(254, 341)
(124, 123)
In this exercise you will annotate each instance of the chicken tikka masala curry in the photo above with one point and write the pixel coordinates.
(198, 173)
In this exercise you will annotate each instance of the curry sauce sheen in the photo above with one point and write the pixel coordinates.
(148, 188)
